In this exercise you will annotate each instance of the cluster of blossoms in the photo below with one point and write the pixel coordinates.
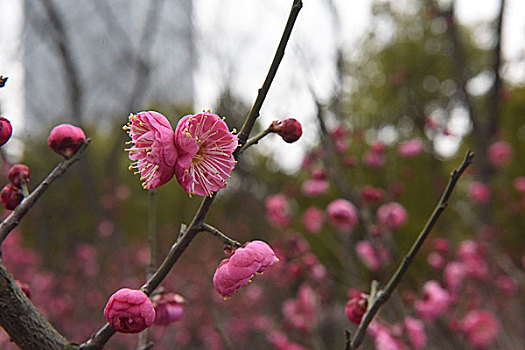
(237, 271)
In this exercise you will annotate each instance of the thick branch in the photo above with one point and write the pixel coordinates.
(382, 296)
(25, 325)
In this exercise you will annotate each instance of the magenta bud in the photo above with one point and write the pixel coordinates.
(66, 139)
(289, 129)
(11, 196)
(18, 173)
(5, 131)
(129, 311)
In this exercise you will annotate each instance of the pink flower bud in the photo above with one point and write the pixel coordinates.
(11, 196)
(410, 148)
(278, 210)
(66, 139)
(289, 129)
(356, 306)
(392, 215)
(480, 327)
(342, 215)
(18, 173)
(5, 131)
(153, 152)
(368, 255)
(500, 153)
(169, 308)
(205, 147)
(129, 311)
(236, 271)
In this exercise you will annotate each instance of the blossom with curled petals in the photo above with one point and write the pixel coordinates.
(153, 152)
(129, 311)
(205, 148)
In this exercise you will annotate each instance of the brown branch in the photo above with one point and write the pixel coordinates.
(377, 300)
(224, 239)
(9, 223)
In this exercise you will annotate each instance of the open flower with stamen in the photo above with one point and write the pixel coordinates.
(205, 147)
(153, 152)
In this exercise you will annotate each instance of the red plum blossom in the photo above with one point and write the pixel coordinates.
(11, 196)
(153, 152)
(371, 194)
(356, 305)
(237, 270)
(129, 311)
(342, 215)
(205, 147)
(66, 139)
(392, 215)
(5, 131)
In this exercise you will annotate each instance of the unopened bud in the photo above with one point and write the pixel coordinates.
(11, 196)
(289, 129)
(66, 139)
(18, 173)
(5, 130)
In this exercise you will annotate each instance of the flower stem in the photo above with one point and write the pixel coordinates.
(225, 239)
(254, 140)
(382, 295)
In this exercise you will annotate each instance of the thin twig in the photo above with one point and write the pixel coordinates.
(263, 91)
(98, 340)
(21, 210)
(217, 233)
(254, 140)
(384, 294)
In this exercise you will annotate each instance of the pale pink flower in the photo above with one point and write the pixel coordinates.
(416, 332)
(356, 305)
(374, 159)
(470, 255)
(481, 328)
(410, 148)
(278, 210)
(340, 137)
(289, 129)
(453, 274)
(300, 312)
(392, 215)
(519, 184)
(436, 260)
(500, 153)
(368, 255)
(314, 187)
(129, 311)
(479, 192)
(435, 302)
(153, 152)
(205, 147)
(169, 308)
(313, 219)
(66, 139)
(342, 215)
(237, 270)
(383, 338)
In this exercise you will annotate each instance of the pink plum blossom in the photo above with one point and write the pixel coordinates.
(453, 274)
(368, 255)
(416, 332)
(392, 215)
(313, 219)
(519, 184)
(169, 308)
(153, 152)
(314, 187)
(410, 148)
(129, 311)
(340, 137)
(500, 153)
(237, 270)
(507, 285)
(356, 305)
(342, 215)
(278, 210)
(371, 194)
(205, 147)
(383, 338)
(435, 302)
(481, 328)
(289, 129)
(479, 192)
(374, 159)
(300, 313)
(66, 139)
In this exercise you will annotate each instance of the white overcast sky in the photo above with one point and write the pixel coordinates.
(245, 33)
